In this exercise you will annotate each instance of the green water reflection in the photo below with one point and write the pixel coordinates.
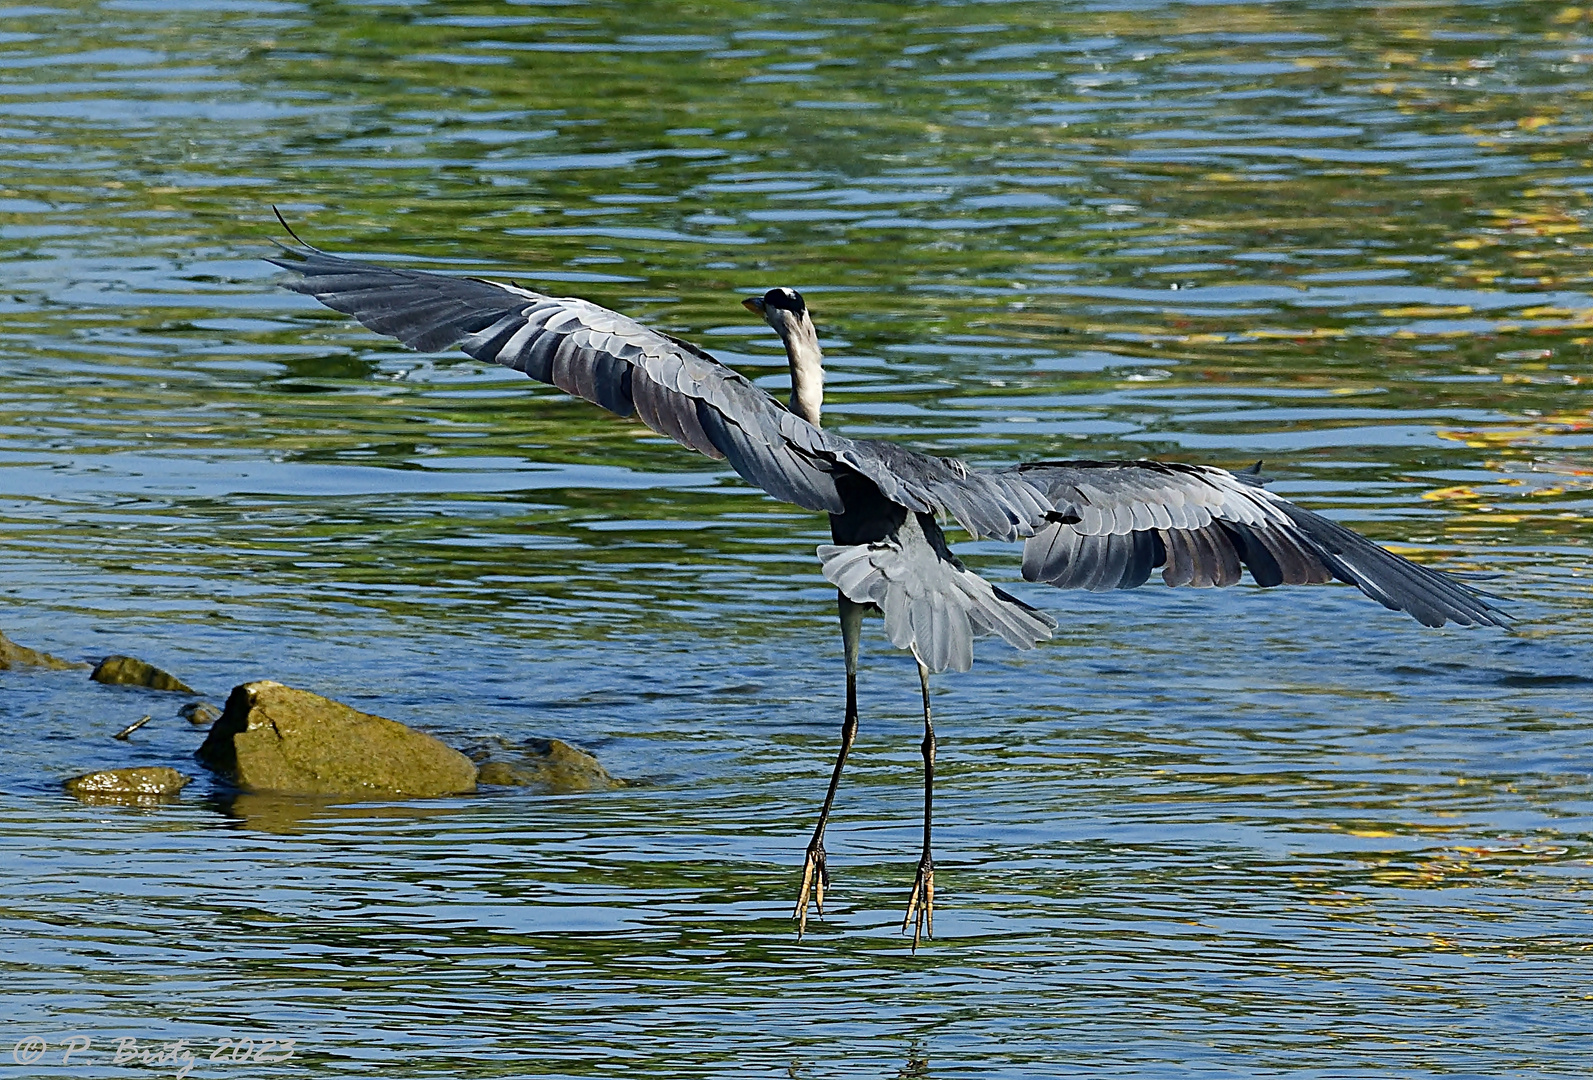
(1202, 835)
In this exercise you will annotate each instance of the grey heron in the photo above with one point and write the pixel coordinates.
(1095, 525)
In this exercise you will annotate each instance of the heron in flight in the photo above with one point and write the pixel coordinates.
(1084, 524)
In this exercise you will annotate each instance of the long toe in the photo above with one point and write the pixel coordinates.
(921, 905)
(815, 876)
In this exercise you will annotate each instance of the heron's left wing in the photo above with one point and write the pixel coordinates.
(1115, 521)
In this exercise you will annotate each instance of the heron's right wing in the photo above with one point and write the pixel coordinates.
(1116, 521)
(672, 386)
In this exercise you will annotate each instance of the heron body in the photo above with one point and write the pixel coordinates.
(1096, 525)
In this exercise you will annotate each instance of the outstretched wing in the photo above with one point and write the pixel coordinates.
(1116, 521)
(673, 387)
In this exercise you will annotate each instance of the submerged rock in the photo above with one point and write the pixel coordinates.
(130, 671)
(12, 654)
(199, 713)
(156, 780)
(272, 737)
(550, 765)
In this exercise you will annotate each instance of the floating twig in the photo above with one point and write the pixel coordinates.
(130, 728)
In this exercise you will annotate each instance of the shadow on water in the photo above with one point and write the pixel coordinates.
(272, 813)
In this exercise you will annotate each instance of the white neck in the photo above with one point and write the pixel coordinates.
(807, 368)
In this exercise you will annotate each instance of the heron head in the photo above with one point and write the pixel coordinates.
(780, 308)
(784, 310)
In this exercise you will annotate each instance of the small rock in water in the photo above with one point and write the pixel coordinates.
(199, 713)
(157, 780)
(552, 765)
(272, 737)
(12, 654)
(129, 671)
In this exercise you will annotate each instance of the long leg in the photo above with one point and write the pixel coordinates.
(922, 902)
(815, 876)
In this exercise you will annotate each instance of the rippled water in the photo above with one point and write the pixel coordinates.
(1202, 834)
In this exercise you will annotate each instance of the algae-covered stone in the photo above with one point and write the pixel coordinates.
(129, 671)
(274, 738)
(551, 765)
(199, 713)
(12, 654)
(157, 780)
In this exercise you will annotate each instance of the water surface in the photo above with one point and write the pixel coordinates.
(1247, 833)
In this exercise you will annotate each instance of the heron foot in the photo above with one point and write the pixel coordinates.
(815, 879)
(921, 904)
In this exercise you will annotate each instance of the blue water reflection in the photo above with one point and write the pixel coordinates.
(1202, 834)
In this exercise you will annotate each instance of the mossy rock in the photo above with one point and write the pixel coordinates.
(550, 765)
(14, 655)
(130, 671)
(274, 738)
(156, 780)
